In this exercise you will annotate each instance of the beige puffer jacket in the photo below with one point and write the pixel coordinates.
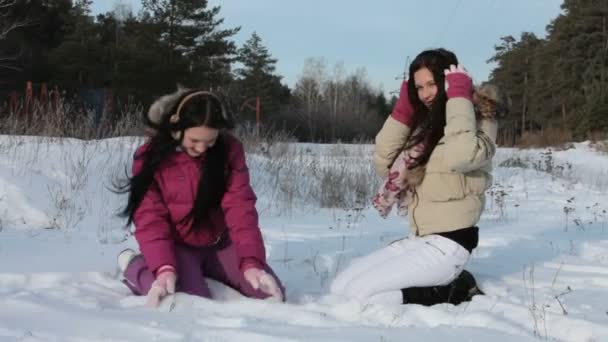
(452, 194)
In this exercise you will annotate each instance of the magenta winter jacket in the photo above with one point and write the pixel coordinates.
(170, 198)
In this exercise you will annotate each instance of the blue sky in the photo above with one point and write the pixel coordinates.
(378, 35)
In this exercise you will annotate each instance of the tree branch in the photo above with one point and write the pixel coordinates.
(4, 31)
(6, 27)
(7, 3)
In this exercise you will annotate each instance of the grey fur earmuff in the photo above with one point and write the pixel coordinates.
(164, 104)
(174, 119)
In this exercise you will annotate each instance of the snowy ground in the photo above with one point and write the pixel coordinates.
(542, 259)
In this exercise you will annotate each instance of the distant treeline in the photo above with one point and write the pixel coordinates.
(559, 82)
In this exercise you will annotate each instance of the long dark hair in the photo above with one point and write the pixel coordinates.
(196, 108)
(428, 123)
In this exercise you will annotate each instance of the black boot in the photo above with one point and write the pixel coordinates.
(461, 289)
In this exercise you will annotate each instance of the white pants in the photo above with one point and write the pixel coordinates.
(416, 261)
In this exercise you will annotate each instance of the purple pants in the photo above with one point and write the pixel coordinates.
(194, 264)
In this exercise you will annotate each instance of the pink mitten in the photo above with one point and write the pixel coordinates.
(162, 286)
(403, 111)
(458, 83)
(260, 279)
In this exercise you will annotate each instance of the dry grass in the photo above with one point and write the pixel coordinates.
(297, 176)
(601, 146)
(559, 137)
(545, 138)
(293, 175)
(66, 120)
(262, 140)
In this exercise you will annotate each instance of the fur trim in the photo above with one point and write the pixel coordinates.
(164, 104)
(486, 99)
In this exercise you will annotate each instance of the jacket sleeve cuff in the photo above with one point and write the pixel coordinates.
(164, 269)
(250, 262)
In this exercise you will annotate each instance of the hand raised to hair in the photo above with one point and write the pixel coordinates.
(458, 82)
(403, 110)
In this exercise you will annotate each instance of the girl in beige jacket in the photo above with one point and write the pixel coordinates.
(435, 153)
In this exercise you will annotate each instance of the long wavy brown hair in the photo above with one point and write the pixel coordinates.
(428, 123)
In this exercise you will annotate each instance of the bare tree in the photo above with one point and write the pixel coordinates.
(356, 91)
(309, 89)
(6, 27)
(333, 95)
(122, 10)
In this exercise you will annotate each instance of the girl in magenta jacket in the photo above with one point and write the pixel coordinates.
(193, 207)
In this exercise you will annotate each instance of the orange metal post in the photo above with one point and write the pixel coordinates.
(28, 100)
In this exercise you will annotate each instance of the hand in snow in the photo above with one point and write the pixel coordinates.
(260, 279)
(163, 285)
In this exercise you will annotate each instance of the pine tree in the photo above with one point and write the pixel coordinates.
(28, 30)
(515, 77)
(578, 39)
(256, 76)
(196, 52)
(567, 73)
(78, 60)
